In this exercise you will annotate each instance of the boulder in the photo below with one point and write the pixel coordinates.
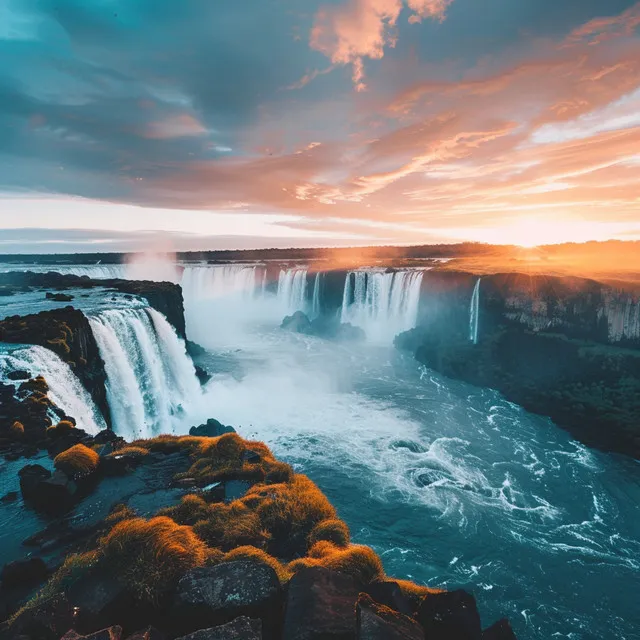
(298, 323)
(377, 622)
(24, 573)
(47, 621)
(112, 633)
(211, 429)
(501, 630)
(12, 496)
(18, 375)
(390, 595)
(320, 604)
(210, 596)
(58, 297)
(450, 615)
(97, 600)
(242, 628)
(31, 477)
(150, 633)
(202, 374)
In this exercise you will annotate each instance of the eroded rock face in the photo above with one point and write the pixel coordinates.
(320, 604)
(213, 595)
(377, 622)
(501, 630)
(242, 628)
(212, 428)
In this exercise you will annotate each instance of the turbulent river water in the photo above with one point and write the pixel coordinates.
(452, 485)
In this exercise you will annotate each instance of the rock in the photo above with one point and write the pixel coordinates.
(451, 615)
(97, 600)
(106, 435)
(320, 604)
(298, 323)
(58, 297)
(214, 595)
(242, 628)
(251, 457)
(112, 633)
(46, 621)
(214, 492)
(18, 375)
(377, 622)
(211, 429)
(501, 630)
(12, 496)
(150, 633)
(390, 595)
(24, 573)
(31, 477)
(202, 374)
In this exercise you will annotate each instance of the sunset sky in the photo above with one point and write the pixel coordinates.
(226, 123)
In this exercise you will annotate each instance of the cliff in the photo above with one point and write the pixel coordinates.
(567, 348)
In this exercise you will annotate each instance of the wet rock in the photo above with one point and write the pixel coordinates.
(298, 323)
(12, 496)
(377, 622)
(112, 633)
(320, 604)
(501, 630)
(31, 477)
(242, 628)
(97, 599)
(24, 573)
(214, 595)
(203, 375)
(58, 297)
(106, 435)
(53, 494)
(211, 429)
(390, 595)
(451, 615)
(18, 375)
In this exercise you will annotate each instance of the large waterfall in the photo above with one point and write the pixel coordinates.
(474, 313)
(292, 289)
(149, 375)
(65, 390)
(382, 303)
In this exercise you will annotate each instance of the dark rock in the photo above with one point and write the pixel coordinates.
(242, 628)
(377, 622)
(24, 573)
(112, 633)
(58, 297)
(106, 435)
(251, 457)
(211, 429)
(31, 477)
(214, 595)
(53, 494)
(194, 349)
(214, 492)
(18, 375)
(150, 633)
(320, 604)
(298, 323)
(451, 615)
(202, 374)
(390, 595)
(48, 620)
(12, 496)
(501, 630)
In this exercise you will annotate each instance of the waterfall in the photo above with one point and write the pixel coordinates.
(316, 308)
(149, 375)
(292, 289)
(474, 313)
(65, 389)
(383, 304)
(209, 282)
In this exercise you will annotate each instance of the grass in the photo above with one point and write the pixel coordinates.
(63, 428)
(248, 552)
(131, 451)
(150, 556)
(332, 530)
(17, 430)
(77, 461)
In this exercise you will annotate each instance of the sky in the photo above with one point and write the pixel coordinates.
(200, 124)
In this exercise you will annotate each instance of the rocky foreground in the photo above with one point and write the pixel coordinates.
(199, 537)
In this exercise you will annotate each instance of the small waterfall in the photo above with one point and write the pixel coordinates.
(474, 313)
(383, 304)
(292, 289)
(316, 308)
(65, 390)
(149, 375)
(210, 282)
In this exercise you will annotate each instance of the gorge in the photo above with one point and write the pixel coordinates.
(451, 484)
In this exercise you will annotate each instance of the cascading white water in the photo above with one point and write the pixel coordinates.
(65, 390)
(316, 307)
(149, 375)
(383, 304)
(474, 313)
(209, 282)
(292, 289)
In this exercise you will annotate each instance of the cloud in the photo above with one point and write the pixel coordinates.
(359, 29)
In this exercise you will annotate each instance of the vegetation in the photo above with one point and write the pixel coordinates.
(63, 428)
(77, 461)
(17, 429)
